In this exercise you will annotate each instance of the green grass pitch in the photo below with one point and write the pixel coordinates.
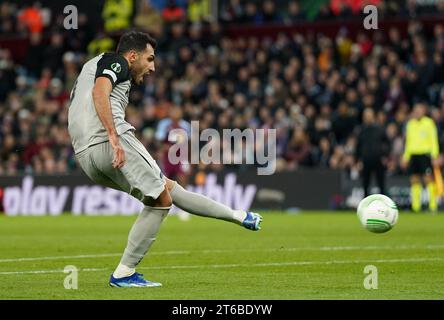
(313, 255)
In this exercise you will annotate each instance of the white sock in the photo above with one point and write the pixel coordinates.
(239, 215)
(123, 271)
(142, 235)
(200, 205)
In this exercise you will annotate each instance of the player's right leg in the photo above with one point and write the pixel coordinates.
(203, 206)
(415, 192)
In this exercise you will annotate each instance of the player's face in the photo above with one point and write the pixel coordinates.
(143, 65)
(419, 111)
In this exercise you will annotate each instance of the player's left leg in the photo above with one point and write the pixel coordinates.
(431, 189)
(203, 206)
(147, 184)
(141, 237)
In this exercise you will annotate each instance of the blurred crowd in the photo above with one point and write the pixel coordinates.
(22, 17)
(260, 12)
(312, 89)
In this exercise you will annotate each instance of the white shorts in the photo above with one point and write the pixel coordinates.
(140, 176)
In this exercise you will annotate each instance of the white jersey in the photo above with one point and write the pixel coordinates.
(84, 125)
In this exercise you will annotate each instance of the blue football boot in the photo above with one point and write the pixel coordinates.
(252, 221)
(134, 280)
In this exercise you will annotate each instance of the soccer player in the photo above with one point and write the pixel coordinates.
(110, 154)
(420, 155)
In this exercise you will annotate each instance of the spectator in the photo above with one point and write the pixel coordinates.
(299, 150)
(173, 13)
(251, 14)
(117, 14)
(323, 153)
(371, 152)
(343, 122)
(232, 11)
(198, 10)
(34, 55)
(149, 19)
(294, 14)
(31, 18)
(70, 70)
(269, 13)
(52, 56)
(101, 43)
(8, 18)
(7, 75)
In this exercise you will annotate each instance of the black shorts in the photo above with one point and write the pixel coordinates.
(420, 164)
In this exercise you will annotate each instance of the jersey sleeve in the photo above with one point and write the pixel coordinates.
(114, 67)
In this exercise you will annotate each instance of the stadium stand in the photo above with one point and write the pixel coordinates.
(311, 88)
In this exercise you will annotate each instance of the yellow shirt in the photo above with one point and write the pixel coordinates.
(117, 14)
(421, 138)
(198, 10)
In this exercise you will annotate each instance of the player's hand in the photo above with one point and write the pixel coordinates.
(119, 153)
(436, 163)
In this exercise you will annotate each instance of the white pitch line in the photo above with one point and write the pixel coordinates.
(48, 271)
(336, 248)
(82, 256)
(207, 251)
(85, 256)
(264, 264)
(295, 263)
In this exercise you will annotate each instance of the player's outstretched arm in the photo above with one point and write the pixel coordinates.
(101, 92)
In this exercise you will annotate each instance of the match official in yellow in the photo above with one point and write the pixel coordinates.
(420, 155)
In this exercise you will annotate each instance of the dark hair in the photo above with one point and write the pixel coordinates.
(135, 40)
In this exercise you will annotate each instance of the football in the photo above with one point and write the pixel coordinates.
(378, 213)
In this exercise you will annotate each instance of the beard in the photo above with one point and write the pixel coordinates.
(139, 80)
(137, 76)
